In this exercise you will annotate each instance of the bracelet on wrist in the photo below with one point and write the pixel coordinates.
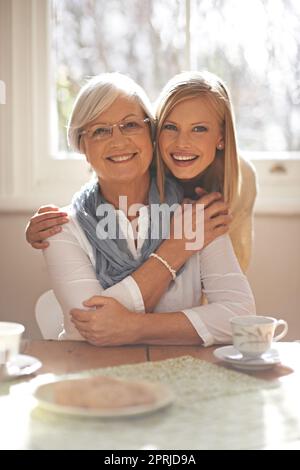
(166, 264)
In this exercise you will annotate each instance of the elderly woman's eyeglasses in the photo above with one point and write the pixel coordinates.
(128, 128)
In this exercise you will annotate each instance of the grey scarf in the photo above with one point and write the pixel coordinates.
(114, 260)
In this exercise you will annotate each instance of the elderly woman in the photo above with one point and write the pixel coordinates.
(111, 125)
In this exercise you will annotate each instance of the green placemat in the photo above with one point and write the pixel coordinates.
(189, 378)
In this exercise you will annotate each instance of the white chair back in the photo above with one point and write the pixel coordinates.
(49, 316)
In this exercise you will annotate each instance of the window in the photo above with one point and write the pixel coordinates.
(254, 46)
(49, 47)
(145, 39)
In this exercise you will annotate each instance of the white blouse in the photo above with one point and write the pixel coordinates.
(214, 270)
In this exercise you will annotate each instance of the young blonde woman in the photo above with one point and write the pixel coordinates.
(124, 286)
(193, 112)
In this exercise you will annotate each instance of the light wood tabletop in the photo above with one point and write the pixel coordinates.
(71, 356)
(62, 357)
(213, 407)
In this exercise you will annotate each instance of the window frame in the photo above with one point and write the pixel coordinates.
(30, 175)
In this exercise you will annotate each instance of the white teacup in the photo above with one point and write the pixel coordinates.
(10, 338)
(253, 335)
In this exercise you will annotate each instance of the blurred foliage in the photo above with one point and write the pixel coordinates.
(254, 46)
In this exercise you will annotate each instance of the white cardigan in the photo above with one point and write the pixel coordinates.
(71, 263)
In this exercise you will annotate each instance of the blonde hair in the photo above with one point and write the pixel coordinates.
(224, 170)
(97, 95)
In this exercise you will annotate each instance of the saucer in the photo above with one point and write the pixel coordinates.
(22, 365)
(233, 357)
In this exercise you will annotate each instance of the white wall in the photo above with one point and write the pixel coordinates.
(274, 273)
(23, 275)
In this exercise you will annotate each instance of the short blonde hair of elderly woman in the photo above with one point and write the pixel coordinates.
(225, 167)
(97, 95)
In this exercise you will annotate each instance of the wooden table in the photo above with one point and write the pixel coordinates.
(275, 414)
(61, 357)
(71, 356)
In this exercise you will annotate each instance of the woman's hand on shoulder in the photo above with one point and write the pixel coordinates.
(45, 223)
(217, 216)
(200, 229)
(198, 232)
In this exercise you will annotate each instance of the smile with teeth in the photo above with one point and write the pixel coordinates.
(183, 158)
(122, 158)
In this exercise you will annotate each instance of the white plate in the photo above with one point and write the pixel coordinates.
(23, 365)
(45, 397)
(233, 357)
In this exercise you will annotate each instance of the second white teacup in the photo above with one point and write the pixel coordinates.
(253, 335)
